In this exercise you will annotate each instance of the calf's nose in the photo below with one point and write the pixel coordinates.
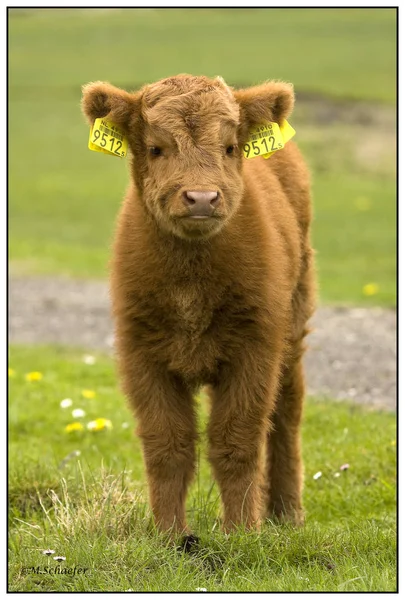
(201, 204)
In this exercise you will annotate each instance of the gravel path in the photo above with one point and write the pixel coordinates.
(352, 351)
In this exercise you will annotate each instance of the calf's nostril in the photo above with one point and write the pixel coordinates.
(215, 200)
(188, 200)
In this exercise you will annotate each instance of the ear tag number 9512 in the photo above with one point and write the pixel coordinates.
(267, 138)
(106, 137)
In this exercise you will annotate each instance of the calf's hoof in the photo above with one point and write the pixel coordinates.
(189, 543)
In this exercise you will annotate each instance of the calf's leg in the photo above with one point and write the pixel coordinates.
(167, 428)
(284, 470)
(238, 424)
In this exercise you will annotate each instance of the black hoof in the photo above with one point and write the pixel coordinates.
(189, 543)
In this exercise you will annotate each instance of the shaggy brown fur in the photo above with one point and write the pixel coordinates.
(220, 300)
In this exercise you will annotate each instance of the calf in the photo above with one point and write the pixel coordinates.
(212, 284)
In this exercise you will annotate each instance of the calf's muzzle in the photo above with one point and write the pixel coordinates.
(201, 204)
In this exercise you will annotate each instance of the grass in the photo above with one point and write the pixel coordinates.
(93, 509)
(340, 52)
(62, 207)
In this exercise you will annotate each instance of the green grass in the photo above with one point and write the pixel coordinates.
(63, 198)
(355, 247)
(93, 509)
(339, 52)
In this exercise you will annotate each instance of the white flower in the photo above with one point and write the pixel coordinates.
(59, 558)
(88, 359)
(66, 403)
(318, 475)
(48, 552)
(125, 425)
(200, 589)
(78, 412)
(336, 475)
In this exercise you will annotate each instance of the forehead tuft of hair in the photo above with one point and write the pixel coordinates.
(194, 97)
(181, 85)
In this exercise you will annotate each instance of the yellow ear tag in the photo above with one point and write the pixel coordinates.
(264, 140)
(106, 137)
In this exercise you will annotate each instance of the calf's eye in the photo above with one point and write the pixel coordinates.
(230, 149)
(155, 151)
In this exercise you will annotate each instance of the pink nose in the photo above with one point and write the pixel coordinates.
(201, 204)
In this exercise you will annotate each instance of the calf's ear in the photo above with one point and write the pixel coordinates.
(102, 99)
(271, 101)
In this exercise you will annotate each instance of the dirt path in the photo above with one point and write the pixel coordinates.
(352, 351)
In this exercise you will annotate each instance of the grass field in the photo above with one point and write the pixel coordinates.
(320, 50)
(63, 198)
(92, 508)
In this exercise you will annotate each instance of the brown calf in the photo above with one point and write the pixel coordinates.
(212, 284)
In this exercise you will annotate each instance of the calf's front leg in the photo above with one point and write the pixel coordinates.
(167, 428)
(241, 404)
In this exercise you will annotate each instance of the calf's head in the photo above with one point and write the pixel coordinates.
(186, 136)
